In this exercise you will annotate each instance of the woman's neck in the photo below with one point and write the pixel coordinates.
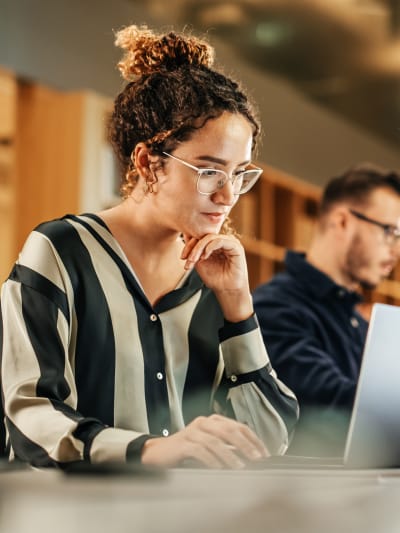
(153, 253)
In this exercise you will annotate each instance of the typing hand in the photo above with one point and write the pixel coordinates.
(214, 442)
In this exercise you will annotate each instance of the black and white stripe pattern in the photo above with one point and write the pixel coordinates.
(89, 369)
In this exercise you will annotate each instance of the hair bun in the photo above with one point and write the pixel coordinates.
(146, 52)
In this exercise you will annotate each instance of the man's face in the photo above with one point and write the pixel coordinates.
(372, 255)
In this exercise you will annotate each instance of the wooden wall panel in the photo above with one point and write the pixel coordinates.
(49, 154)
(8, 106)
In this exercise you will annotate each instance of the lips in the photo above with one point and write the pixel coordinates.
(215, 217)
(387, 266)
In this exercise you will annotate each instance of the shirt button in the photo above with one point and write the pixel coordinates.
(341, 293)
(165, 432)
(233, 378)
(153, 318)
(354, 322)
(159, 375)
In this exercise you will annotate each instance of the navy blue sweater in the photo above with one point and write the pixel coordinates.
(315, 337)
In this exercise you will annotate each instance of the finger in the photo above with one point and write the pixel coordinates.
(224, 246)
(211, 244)
(193, 251)
(228, 455)
(214, 452)
(200, 454)
(190, 242)
(240, 436)
(248, 445)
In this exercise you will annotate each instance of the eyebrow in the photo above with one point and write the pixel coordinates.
(219, 161)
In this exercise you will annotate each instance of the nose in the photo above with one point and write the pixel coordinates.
(225, 195)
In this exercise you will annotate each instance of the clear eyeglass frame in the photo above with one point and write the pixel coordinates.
(210, 180)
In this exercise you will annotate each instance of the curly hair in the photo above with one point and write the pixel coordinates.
(172, 90)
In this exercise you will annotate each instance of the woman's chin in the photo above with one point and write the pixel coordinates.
(198, 231)
(209, 231)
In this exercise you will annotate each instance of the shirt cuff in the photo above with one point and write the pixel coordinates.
(111, 445)
(135, 447)
(243, 348)
(233, 329)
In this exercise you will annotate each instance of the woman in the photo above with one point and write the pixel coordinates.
(130, 334)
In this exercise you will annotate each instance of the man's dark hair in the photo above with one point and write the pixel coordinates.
(356, 184)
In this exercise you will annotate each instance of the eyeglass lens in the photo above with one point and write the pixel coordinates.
(210, 180)
(392, 235)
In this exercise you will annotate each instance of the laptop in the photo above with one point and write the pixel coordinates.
(373, 438)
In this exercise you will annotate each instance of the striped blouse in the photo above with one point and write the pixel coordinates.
(90, 369)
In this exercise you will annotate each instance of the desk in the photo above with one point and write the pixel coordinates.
(194, 501)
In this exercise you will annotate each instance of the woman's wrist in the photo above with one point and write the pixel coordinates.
(236, 306)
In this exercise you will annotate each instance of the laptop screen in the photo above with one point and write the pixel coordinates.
(373, 439)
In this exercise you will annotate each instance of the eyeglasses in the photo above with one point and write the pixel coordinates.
(391, 233)
(209, 180)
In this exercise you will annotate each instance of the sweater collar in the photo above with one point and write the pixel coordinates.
(316, 281)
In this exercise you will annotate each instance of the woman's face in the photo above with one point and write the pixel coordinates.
(223, 143)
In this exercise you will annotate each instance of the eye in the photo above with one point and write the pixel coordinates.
(391, 232)
(239, 173)
(209, 172)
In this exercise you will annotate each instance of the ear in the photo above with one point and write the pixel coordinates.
(341, 221)
(340, 217)
(142, 160)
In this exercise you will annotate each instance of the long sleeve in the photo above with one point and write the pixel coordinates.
(257, 397)
(40, 394)
(314, 339)
(302, 360)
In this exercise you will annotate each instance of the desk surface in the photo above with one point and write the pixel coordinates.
(193, 501)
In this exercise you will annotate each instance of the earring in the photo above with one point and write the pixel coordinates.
(148, 186)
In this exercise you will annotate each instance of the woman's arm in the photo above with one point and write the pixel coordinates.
(257, 397)
(37, 359)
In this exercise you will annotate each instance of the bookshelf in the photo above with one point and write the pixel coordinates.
(278, 213)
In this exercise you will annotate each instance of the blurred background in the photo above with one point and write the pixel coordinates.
(325, 75)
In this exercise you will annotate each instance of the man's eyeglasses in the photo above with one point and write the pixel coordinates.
(391, 233)
(209, 180)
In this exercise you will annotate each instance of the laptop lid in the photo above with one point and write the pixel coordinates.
(373, 439)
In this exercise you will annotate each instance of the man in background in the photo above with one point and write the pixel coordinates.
(308, 313)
